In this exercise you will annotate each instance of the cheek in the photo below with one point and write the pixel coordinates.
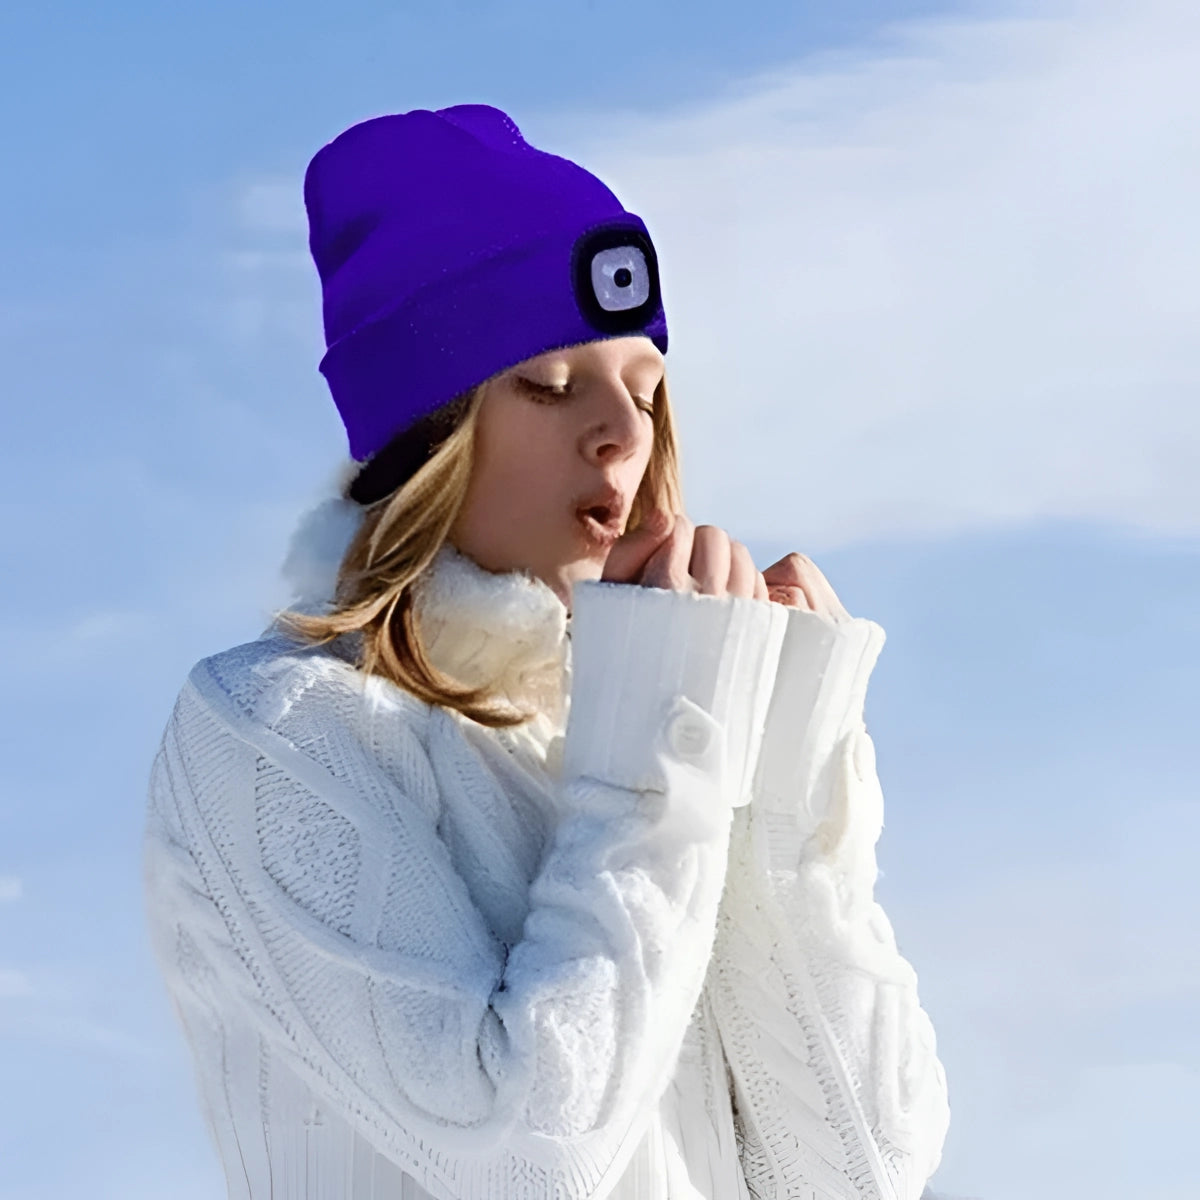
(519, 469)
(639, 465)
(648, 447)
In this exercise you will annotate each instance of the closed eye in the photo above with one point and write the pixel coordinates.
(544, 389)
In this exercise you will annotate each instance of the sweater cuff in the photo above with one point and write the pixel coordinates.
(820, 690)
(656, 671)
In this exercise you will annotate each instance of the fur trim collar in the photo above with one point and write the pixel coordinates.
(507, 630)
(504, 629)
(316, 550)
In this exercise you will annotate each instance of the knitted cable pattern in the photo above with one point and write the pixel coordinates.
(415, 957)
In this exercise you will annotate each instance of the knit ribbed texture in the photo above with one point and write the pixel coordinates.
(417, 957)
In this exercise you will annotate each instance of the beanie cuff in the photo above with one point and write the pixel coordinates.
(448, 336)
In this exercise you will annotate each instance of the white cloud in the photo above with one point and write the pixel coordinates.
(11, 889)
(77, 1005)
(272, 205)
(14, 984)
(1120, 937)
(272, 292)
(74, 642)
(1061, 972)
(105, 626)
(941, 282)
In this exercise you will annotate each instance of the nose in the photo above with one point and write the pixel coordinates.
(615, 428)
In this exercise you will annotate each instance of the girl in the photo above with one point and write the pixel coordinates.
(533, 856)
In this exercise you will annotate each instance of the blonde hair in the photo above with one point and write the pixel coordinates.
(402, 533)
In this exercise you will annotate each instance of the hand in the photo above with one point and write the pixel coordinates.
(673, 553)
(796, 581)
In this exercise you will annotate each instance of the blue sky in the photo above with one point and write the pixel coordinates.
(930, 276)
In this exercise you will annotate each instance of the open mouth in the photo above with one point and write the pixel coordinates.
(602, 525)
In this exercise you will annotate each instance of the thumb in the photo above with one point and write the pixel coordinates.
(631, 551)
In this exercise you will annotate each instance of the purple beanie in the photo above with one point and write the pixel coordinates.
(450, 249)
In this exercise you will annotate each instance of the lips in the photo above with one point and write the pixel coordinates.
(601, 514)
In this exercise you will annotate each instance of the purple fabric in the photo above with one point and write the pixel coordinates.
(449, 249)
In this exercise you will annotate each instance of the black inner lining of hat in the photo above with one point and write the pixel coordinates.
(406, 453)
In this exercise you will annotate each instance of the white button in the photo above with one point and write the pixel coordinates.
(688, 736)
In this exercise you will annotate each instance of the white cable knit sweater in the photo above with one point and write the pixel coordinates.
(417, 957)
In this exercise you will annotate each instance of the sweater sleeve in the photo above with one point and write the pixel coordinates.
(490, 1068)
(837, 1083)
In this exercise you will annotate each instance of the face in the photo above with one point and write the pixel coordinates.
(566, 430)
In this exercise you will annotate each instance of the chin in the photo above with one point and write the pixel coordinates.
(563, 579)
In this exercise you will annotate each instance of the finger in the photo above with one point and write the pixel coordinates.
(743, 574)
(667, 567)
(827, 600)
(760, 587)
(792, 597)
(798, 570)
(820, 591)
(796, 597)
(788, 570)
(630, 552)
(711, 557)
